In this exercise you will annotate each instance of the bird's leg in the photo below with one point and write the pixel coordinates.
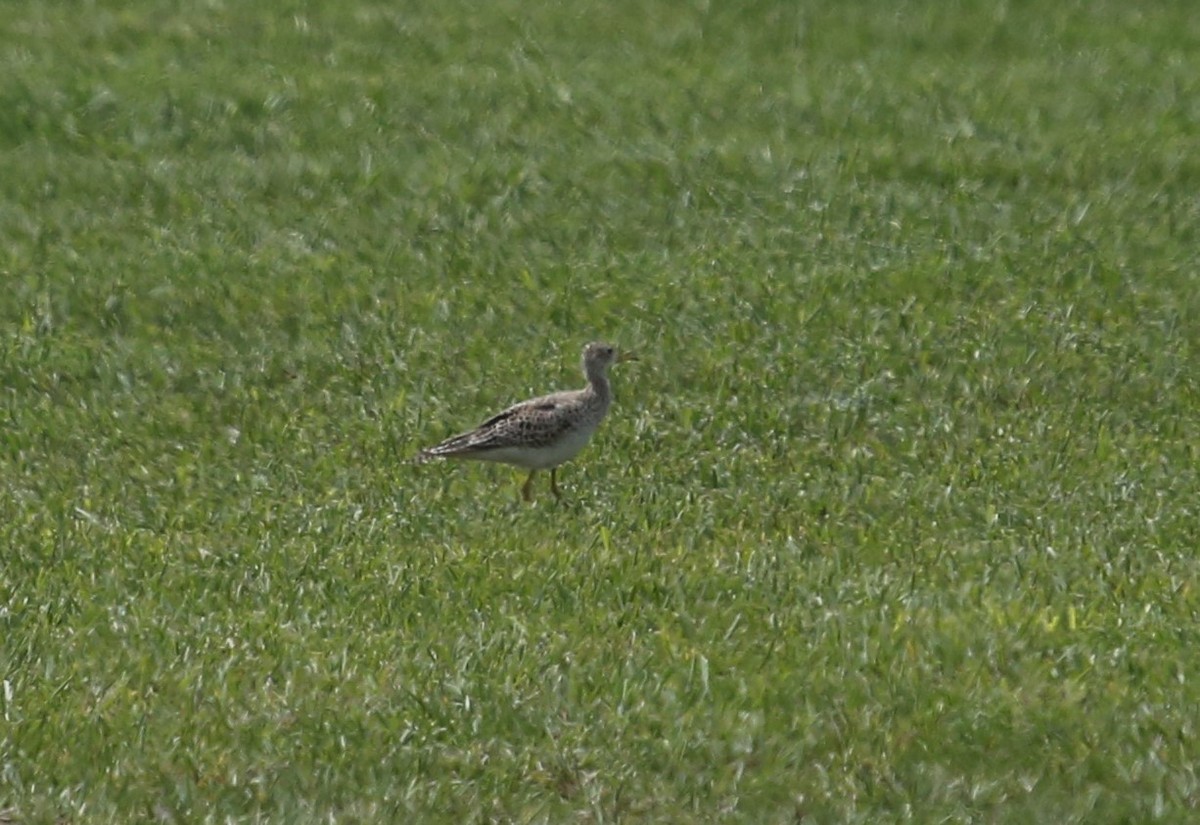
(554, 483)
(527, 487)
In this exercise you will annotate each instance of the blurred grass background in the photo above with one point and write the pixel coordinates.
(895, 520)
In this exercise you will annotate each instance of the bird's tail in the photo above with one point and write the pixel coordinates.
(449, 448)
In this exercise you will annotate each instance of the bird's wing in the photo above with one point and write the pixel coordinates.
(530, 423)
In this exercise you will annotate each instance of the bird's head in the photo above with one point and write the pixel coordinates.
(598, 357)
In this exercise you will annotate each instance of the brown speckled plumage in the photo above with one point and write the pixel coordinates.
(542, 433)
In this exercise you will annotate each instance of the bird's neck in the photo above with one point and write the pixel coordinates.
(598, 385)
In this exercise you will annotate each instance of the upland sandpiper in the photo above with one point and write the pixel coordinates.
(542, 433)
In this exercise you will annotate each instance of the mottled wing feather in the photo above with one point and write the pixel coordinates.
(535, 423)
(512, 411)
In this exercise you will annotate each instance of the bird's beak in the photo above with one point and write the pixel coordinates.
(624, 356)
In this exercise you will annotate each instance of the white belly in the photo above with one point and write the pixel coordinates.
(541, 458)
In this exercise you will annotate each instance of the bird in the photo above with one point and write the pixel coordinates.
(541, 433)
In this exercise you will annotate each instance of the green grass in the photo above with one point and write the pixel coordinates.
(896, 520)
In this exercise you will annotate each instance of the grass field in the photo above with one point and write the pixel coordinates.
(896, 520)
